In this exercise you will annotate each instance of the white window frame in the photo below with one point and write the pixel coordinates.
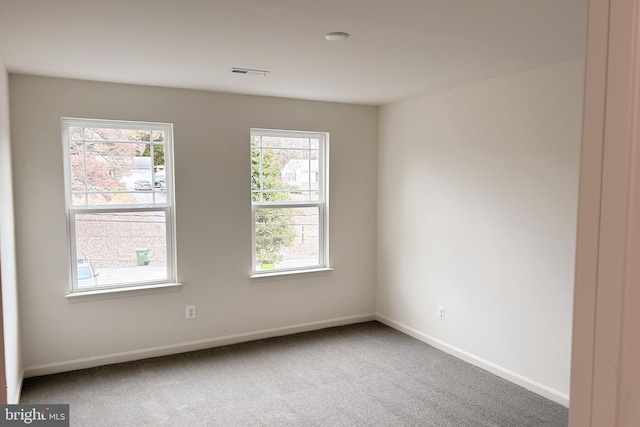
(322, 204)
(168, 207)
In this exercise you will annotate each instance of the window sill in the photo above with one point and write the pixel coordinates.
(290, 272)
(128, 291)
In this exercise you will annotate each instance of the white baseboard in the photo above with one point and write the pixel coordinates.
(90, 362)
(518, 379)
(15, 398)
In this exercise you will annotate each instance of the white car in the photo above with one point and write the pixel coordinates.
(142, 185)
(87, 275)
(159, 182)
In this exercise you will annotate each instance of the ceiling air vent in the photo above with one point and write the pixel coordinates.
(249, 71)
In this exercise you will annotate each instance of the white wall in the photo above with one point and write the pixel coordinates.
(477, 205)
(211, 133)
(13, 366)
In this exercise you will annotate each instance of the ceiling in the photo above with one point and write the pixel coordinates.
(397, 49)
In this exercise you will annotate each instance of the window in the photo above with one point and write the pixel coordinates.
(119, 192)
(289, 216)
(290, 176)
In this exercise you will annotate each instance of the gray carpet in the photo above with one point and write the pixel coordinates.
(357, 375)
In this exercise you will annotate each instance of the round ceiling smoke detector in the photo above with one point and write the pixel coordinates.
(336, 36)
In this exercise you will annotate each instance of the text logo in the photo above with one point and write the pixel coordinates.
(34, 415)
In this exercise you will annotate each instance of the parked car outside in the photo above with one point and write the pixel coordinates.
(87, 274)
(159, 182)
(142, 185)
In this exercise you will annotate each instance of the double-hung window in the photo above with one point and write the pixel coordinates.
(289, 194)
(119, 191)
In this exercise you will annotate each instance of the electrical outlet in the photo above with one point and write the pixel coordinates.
(441, 312)
(191, 312)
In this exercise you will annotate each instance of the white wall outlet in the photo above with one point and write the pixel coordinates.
(191, 312)
(441, 312)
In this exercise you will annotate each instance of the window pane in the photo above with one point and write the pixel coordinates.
(275, 170)
(117, 173)
(138, 135)
(110, 134)
(121, 248)
(140, 179)
(76, 163)
(158, 136)
(266, 175)
(75, 133)
(159, 177)
(255, 173)
(287, 238)
(283, 142)
(108, 165)
(146, 196)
